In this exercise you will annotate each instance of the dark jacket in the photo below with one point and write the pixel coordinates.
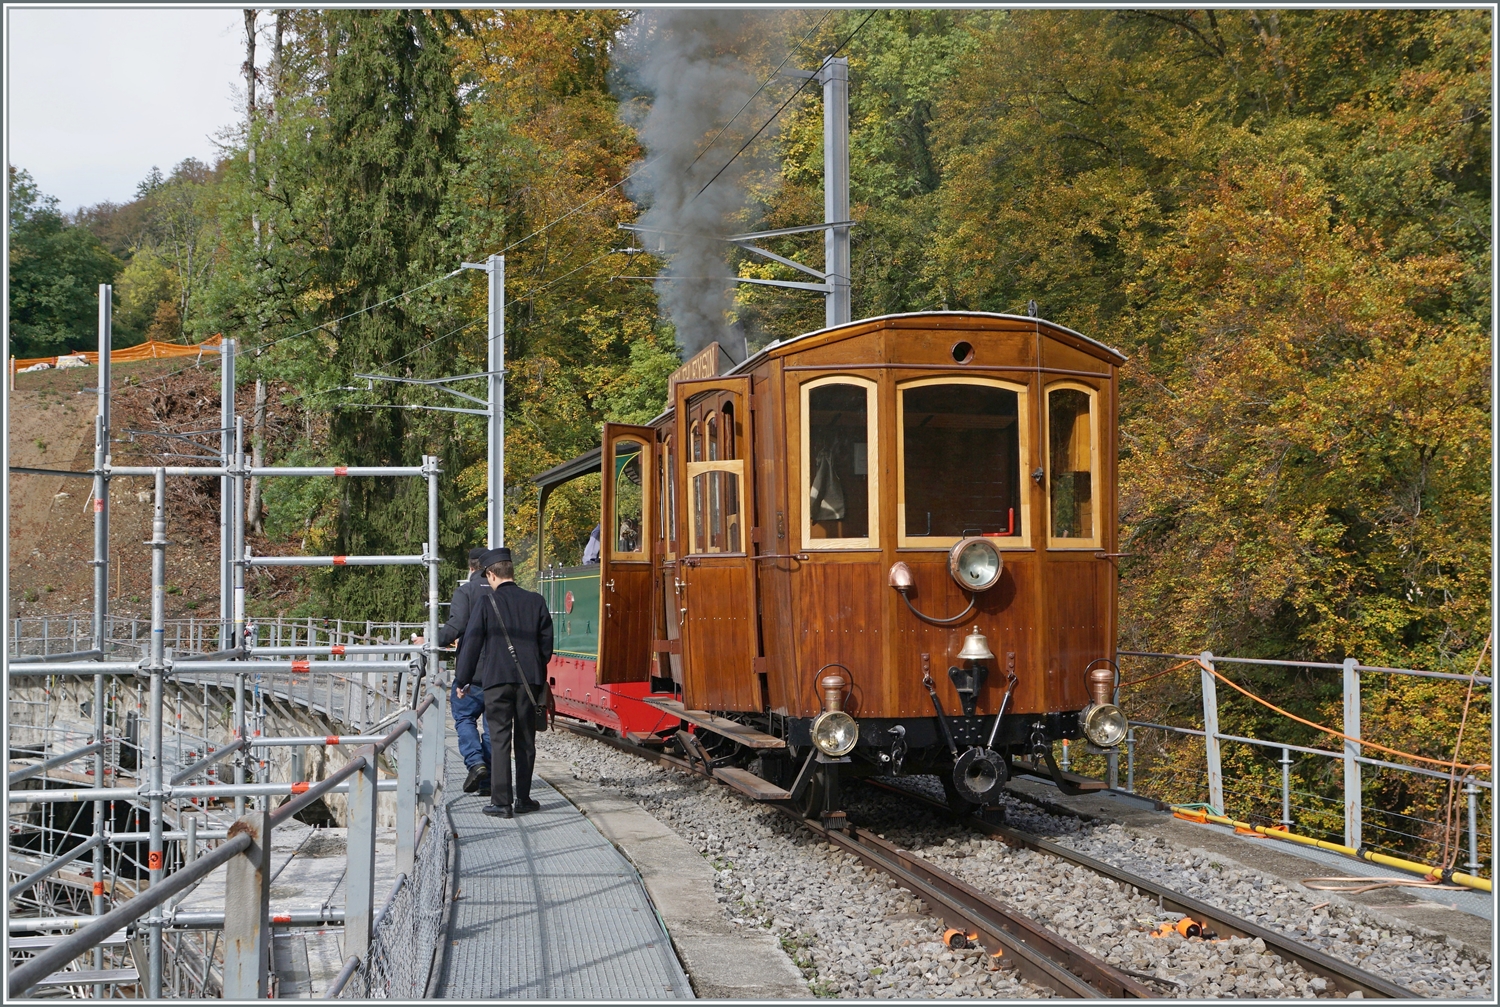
(465, 597)
(483, 648)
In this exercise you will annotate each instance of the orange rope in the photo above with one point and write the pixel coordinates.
(1337, 734)
(1159, 674)
(1450, 822)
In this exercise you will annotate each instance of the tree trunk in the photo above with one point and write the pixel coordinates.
(250, 17)
(255, 512)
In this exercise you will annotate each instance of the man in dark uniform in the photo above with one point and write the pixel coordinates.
(508, 702)
(468, 710)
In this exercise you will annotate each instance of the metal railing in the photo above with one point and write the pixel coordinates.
(1352, 811)
(247, 917)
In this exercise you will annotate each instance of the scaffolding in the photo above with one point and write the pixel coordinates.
(140, 796)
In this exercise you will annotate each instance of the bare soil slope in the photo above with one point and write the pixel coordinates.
(51, 421)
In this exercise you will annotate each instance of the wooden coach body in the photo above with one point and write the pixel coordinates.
(749, 532)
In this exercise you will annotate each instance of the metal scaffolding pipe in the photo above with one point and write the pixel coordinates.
(53, 763)
(313, 740)
(101, 587)
(202, 764)
(381, 471)
(226, 434)
(175, 793)
(299, 667)
(335, 560)
(72, 655)
(56, 865)
(154, 861)
(99, 927)
(79, 668)
(335, 650)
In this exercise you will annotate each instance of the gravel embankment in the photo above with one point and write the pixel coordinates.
(854, 934)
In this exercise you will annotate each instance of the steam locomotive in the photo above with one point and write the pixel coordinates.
(877, 549)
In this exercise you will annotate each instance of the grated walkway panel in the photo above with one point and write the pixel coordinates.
(547, 908)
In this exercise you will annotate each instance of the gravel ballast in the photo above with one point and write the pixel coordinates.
(853, 933)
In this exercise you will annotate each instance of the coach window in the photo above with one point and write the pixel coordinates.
(1072, 465)
(962, 442)
(667, 494)
(629, 531)
(839, 464)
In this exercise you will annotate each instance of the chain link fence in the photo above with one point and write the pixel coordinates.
(408, 929)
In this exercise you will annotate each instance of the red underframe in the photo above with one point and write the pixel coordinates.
(620, 706)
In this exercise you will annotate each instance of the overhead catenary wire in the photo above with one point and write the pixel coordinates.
(777, 113)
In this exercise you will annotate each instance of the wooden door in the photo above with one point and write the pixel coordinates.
(716, 574)
(625, 536)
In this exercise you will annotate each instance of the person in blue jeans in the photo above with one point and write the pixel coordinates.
(468, 709)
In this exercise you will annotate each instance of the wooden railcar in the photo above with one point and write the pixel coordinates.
(909, 521)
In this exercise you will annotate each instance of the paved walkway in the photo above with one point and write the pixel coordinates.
(547, 908)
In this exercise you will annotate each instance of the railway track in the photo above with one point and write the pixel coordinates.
(1036, 953)
(1340, 974)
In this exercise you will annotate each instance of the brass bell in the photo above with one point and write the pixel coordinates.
(976, 648)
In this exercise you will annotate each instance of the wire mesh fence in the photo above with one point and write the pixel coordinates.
(401, 954)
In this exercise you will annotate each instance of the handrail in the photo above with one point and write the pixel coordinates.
(64, 951)
(47, 869)
(364, 758)
(202, 764)
(1218, 658)
(72, 655)
(53, 763)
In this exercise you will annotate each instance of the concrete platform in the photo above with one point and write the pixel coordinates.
(724, 962)
(546, 908)
(1463, 918)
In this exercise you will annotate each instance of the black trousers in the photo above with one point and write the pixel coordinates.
(508, 712)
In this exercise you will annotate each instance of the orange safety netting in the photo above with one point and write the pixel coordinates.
(151, 349)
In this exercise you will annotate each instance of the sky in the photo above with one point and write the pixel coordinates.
(95, 97)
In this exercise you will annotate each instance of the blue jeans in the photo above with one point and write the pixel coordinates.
(468, 717)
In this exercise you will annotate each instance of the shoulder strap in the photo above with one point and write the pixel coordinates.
(490, 596)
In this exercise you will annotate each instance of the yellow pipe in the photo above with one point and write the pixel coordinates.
(1425, 870)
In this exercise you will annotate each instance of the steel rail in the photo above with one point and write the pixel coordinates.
(47, 870)
(1039, 955)
(1345, 977)
(32, 972)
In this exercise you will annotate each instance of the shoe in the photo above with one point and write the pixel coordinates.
(527, 805)
(479, 775)
(498, 810)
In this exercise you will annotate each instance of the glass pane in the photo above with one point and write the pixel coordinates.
(629, 496)
(728, 431)
(962, 456)
(713, 437)
(1071, 491)
(669, 496)
(700, 524)
(838, 480)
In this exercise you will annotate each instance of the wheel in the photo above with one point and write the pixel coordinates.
(957, 802)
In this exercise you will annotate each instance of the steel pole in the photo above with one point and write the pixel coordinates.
(1353, 819)
(1473, 794)
(226, 446)
(239, 532)
(496, 533)
(1286, 787)
(240, 734)
(836, 263)
(101, 590)
(158, 653)
(1211, 733)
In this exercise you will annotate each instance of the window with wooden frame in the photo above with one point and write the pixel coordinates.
(840, 464)
(714, 474)
(961, 458)
(628, 530)
(667, 495)
(1072, 420)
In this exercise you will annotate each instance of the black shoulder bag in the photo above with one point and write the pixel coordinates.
(542, 712)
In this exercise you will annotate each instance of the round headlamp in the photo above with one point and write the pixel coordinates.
(975, 564)
(835, 733)
(1104, 724)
